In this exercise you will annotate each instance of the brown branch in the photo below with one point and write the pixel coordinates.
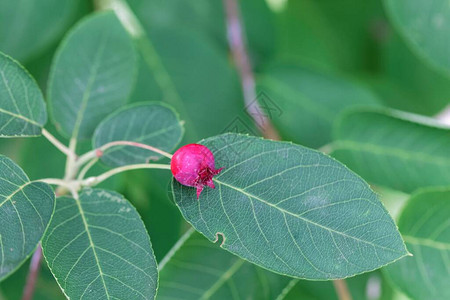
(340, 285)
(242, 61)
(32, 274)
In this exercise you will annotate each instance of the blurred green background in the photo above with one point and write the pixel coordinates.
(312, 59)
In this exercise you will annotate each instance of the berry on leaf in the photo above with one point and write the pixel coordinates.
(193, 165)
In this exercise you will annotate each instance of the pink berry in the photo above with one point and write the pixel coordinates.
(193, 165)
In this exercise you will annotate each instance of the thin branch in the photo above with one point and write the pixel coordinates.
(100, 151)
(236, 41)
(340, 285)
(32, 274)
(97, 179)
(61, 147)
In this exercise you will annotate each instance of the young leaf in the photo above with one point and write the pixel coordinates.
(195, 269)
(303, 102)
(92, 75)
(25, 211)
(153, 124)
(291, 210)
(425, 227)
(97, 247)
(425, 26)
(22, 107)
(394, 149)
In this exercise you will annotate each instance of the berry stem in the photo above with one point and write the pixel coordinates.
(97, 179)
(96, 153)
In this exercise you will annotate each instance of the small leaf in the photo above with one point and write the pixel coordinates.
(291, 210)
(425, 226)
(425, 25)
(153, 124)
(92, 75)
(303, 102)
(389, 148)
(195, 269)
(97, 247)
(25, 211)
(22, 107)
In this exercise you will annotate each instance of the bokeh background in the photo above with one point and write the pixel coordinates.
(312, 59)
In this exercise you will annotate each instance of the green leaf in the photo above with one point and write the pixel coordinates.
(291, 210)
(28, 27)
(425, 26)
(196, 269)
(97, 247)
(425, 226)
(22, 107)
(25, 211)
(154, 124)
(394, 149)
(92, 75)
(303, 102)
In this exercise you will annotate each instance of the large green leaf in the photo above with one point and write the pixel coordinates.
(196, 269)
(92, 75)
(303, 102)
(426, 26)
(22, 107)
(291, 210)
(394, 149)
(425, 226)
(153, 124)
(97, 247)
(28, 27)
(25, 211)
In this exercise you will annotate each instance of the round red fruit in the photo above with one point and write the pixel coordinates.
(193, 165)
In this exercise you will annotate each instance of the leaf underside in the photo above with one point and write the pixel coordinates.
(92, 75)
(97, 247)
(22, 107)
(152, 124)
(25, 211)
(291, 210)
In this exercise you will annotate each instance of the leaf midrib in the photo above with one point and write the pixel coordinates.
(91, 243)
(303, 218)
(87, 92)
